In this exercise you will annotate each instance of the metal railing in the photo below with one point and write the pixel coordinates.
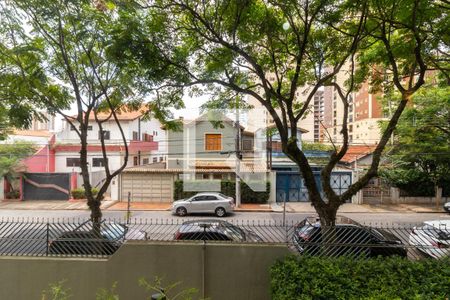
(64, 237)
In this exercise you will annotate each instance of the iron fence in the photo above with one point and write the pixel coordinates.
(76, 237)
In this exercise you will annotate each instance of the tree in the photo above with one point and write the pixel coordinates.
(17, 108)
(10, 157)
(422, 141)
(61, 60)
(233, 47)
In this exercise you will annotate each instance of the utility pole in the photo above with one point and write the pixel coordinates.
(238, 155)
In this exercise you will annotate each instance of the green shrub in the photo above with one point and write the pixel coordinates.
(346, 278)
(79, 193)
(13, 195)
(227, 187)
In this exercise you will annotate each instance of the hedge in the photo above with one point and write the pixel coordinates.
(79, 193)
(346, 278)
(228, 188)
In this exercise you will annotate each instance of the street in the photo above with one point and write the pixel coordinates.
(385, 219)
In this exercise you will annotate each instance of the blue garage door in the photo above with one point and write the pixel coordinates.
(291, 186)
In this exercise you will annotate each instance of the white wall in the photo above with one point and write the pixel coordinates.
(70, 136)
(151, 127)
(114, 160)
(366, 131)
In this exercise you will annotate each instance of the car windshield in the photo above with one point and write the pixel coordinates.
(111, 231)
(234, 232)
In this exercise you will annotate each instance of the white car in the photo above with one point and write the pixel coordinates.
(447, 207)
(215, 203)
(432, 238)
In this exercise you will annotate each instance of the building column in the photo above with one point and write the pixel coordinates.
(73, 183)
(273, 186)
(2, 188)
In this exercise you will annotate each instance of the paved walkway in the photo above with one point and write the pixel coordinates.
(306, 207)
(303, 207)
(50, 204)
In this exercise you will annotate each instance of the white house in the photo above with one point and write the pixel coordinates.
(142, 138)
(145, 140)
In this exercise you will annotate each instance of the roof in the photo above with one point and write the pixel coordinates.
(302, 130)
(357, 152)
(35, 133)
(208, 117)
(123, 114)
(152, 169)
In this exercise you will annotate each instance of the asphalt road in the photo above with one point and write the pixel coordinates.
(31, 237)
(384, 219)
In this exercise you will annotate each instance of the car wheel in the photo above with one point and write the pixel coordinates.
(220, 212)
(181, 211)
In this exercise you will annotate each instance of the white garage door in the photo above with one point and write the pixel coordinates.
(147, 187)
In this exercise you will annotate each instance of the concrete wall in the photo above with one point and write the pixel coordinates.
(2, 188)
(218, 271)
(397, 199)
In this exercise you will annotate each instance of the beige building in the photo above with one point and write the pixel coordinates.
(365, 113)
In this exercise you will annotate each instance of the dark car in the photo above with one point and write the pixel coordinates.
(83, 241)
(347, 238)
(215, 230)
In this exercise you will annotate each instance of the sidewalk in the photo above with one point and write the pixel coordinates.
(50, 204)
(306, 207)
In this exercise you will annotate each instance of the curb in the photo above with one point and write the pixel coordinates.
(137, 209)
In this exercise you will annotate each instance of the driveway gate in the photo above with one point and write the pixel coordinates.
(291, 186)
(46, 186)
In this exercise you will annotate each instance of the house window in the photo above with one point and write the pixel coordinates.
(145, 161)
(247, 145)
(213, 141)
(147, 137)
(106, 134)
(73, 162)
(217, 176)
(135, 136)
(276, 146)
(98, 162)
(135, 161)
(161, 159)
(155, 159)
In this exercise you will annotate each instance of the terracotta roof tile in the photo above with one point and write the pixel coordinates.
(356, 152)
(123, 114)
(36, 133)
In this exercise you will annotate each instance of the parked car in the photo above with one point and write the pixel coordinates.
(82, 240)
(432, 238)
(216, 203)
(447, 207)
(215, 230)
(347, 237)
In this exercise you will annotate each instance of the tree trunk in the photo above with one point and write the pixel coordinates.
(326, 211)
(93, 202)
(438, 195)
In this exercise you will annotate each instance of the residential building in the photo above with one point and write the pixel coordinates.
(141, 136)
(209, 141)
(43, 159)
(202, 154)
(259, 117)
